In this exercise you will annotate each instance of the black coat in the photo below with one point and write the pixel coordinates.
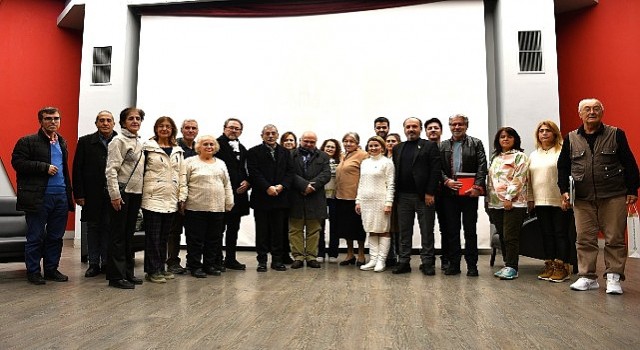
(89, 180)
(237, 167)
(313, 205)
(31, 159)
(426, 169)
(264, 172)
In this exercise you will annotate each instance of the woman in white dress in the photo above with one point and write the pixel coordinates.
(374, 201)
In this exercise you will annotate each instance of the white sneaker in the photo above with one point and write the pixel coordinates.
(613, 284)
(584, 283)
(333, 260)
(320, 259)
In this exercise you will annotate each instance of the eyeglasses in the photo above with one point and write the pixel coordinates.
(51, 119)
(233, 128)
(588, 109)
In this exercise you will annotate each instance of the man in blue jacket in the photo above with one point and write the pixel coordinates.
(44, 194)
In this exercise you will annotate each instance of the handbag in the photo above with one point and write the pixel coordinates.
(633, 226)
(123, 185)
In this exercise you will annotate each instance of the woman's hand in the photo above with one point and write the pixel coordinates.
(387, 209)
(117, 204)
(358, 209)
(508, 205)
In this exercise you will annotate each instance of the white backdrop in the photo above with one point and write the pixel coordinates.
(327, 73)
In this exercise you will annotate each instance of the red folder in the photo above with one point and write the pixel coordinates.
(467, 179)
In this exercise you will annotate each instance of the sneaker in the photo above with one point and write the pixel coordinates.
(613, 284)
(155, 277)
(333, 260)
(560, 272)
(55, 275)
(177, 269)
(499, 272)
(509, 273)
(584, 283)
(320, 259)
(547, 271)
(168, 275)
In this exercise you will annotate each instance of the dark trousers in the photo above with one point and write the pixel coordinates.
(156, 230)
(508, 225)
(123, 225)
(442, 224)
(204, 238)
(232, 223)
(98, 235)
(461, 212)
(45, 229)
(173, 240)
(334, 240)
(554, 224)
(410, 204)
(269, 237)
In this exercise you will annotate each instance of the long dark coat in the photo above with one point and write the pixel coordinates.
(313, 205)
(264, 172)
(237, 167)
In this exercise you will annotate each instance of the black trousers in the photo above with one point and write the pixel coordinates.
(232, 223)
(461, 212)
(555, 232)
(269, 237)
(203, 230)
(123, 225)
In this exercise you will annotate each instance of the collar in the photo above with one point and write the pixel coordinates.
(582, 132)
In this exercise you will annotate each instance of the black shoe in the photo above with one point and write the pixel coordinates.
(234, 265)
(220, 267)
(472, 271)
(198, 273)
(297, 264)
(428, 269)
(360, 263)
(36, 278)
(314, 264)
(351, 261)
(176, 269)
(391, 262)
(212, 270)
(452, 270)
(92, 271)
(278, 266)
(122, 284)
(444, 265)
(55, 275)
(401, 268)
(135, 280)
(262, 267)
(287, 259)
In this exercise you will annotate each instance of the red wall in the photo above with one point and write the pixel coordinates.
(599, 56)
(39, 66)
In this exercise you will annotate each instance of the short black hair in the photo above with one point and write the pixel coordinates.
(47, 110)
(433, 120)
(381, 120)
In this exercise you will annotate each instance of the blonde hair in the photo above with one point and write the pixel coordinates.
(216, 145)
(554, 130)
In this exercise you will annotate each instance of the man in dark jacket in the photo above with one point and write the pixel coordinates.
(462, 156)
(270, 174)
(90, 190)
(44, 194)
(417, 163)
(234, 155)
(308, 200)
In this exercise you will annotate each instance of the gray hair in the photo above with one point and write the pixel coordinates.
(352, 134)
(459, 115)
(184, 122)
(589, 100)
(268, 126)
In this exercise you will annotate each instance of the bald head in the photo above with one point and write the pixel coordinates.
(308, 140)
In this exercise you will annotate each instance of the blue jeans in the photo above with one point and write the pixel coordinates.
(45, 229)
(409, 205)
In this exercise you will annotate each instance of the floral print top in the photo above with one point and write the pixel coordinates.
(507, 179)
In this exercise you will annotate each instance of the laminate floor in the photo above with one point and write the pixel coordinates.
(334, 307)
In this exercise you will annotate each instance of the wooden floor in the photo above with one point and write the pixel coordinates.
(330, 308)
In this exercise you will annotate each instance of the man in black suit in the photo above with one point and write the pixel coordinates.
(417, 163)
(270, 174)
(90, 190)
(234, 155)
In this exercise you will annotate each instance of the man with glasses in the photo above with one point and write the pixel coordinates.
(44, 194)
(599, 159)
(187, 142)
(234, 155)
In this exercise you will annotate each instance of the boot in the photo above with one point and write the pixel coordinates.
(560, 272)
(383, 250)
(548, 270)
(373, 253)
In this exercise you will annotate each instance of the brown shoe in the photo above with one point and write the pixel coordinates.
(560, 271)
(547, 272)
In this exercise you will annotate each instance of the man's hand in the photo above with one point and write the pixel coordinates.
(429, 200)
(80, 201)
(52, 170)
(244, 186)
(631, 199)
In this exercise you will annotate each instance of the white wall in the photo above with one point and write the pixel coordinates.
(524, 99)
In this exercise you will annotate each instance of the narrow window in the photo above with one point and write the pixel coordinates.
(101, 65)
(530, 44)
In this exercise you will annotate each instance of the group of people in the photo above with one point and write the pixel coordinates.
(206, 184)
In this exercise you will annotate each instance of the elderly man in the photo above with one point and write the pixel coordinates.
(44, 194)
(308, 200)
(598, 158)
(90, 190)
(417, 171)
(462, 155)
(270, 174)
(234, 155)
(187, 142)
